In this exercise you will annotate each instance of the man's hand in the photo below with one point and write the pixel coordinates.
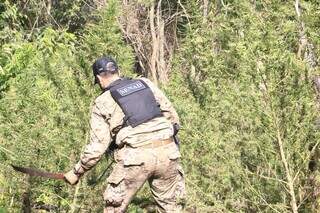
(71, 178)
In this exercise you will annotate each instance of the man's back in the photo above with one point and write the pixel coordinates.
(157, 128)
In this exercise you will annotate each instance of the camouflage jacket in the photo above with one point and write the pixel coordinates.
(107, 118)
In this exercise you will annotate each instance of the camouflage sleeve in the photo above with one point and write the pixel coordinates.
(166, 106)
(99, 142)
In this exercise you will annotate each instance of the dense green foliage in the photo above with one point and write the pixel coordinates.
(244, 94)
(250, 93)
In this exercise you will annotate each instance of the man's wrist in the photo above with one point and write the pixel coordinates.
(78, 169)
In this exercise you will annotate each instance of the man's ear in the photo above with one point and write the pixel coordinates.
(99, 77)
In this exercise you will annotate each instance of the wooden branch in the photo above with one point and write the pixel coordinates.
(75, 199)
(33, 27)
(290, 183)
(185, 12)
(267, 177)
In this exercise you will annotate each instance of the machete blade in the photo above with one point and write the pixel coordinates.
(38, 173)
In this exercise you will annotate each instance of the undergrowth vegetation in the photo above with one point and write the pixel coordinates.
(241, 75)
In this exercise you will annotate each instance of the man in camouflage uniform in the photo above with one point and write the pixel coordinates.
(127, 114)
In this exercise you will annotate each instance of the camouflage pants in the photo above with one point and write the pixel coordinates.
(134, 166)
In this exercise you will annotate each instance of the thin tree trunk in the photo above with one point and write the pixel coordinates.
(154, 54)
(161, 64)
(305, 48)
(302, 37)
(49, 6)
(152, 34)
(205, 10)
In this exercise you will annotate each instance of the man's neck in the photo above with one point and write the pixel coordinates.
(106, 82)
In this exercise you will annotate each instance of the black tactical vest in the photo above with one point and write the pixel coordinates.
(136, 100)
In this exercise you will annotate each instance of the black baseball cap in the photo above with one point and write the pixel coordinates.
(104, 64)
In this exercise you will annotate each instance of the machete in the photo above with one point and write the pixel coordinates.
(38, 173)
